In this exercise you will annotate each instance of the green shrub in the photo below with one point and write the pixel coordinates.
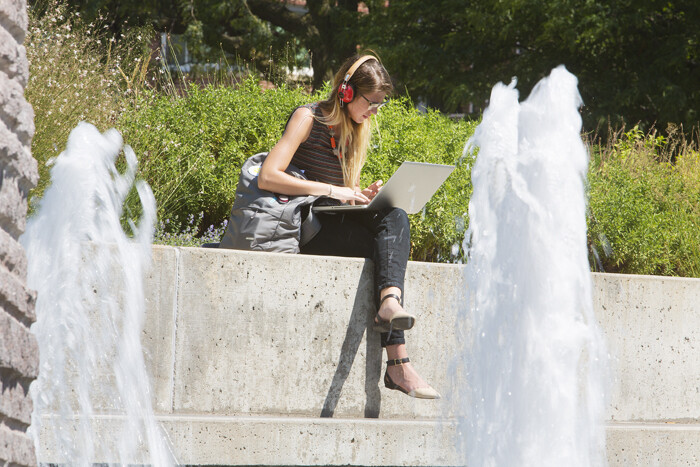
(402, 133)
(644, 209)
(74, 75)
(192, 147)
(644, 190)
(188, 233)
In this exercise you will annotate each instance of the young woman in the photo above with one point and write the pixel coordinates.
(329, 141)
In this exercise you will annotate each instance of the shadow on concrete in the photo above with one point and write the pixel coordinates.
(360, 321)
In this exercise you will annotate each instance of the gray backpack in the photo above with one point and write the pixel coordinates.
(265, 221)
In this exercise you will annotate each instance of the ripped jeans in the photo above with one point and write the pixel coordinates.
(382, 236)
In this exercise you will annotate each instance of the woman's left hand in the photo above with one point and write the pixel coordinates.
(372, 190)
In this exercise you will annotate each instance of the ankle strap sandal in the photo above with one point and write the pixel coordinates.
(420, 393)
(391, 295)
(397, 361)
(401, 320)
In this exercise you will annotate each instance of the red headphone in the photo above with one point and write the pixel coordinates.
(346, 93)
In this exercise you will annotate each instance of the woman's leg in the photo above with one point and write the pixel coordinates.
(392, 247)
(353, 235)
(404, 374)
(383, 237)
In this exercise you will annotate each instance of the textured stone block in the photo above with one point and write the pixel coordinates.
(652, 326)
(18, 347)
(12, 255)
(19, 353)
(16, 448)
(13, 206)
(15, 298)
(13, 17)
(16, 159)
(305, 321)
(15, 111)
(15, 402)
(13, 57)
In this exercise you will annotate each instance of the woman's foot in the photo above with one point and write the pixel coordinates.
(391, 315)
(401, 375)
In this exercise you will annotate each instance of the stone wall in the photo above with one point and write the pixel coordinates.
(19, 356)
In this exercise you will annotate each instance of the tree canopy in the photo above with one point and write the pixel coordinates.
(636, 61)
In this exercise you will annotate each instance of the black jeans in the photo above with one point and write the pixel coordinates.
(382, 236)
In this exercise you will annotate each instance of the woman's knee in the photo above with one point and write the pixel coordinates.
(398, 219)
(396, 215)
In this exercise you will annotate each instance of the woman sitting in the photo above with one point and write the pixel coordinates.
(328, 140)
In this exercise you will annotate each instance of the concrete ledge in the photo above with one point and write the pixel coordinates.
(218, 440)
(295, 325)
(249, 441)
(652, 325)
(265, 359)
(653, 444)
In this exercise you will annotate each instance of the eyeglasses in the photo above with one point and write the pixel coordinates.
(375, 105)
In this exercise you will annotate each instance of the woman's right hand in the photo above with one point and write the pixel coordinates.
(344, 193)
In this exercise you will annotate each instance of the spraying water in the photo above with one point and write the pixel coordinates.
(536, 365)
(90, 307)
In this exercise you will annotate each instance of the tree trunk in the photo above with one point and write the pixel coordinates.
(327, 30)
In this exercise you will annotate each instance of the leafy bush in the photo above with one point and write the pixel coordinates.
(189, 234)
(644, 207)
(75, 73)
(644, 189)
(192, 147)
(403, 133)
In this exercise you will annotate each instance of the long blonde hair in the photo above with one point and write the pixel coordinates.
(353, 138)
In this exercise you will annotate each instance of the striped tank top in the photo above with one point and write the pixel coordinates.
(315, 155)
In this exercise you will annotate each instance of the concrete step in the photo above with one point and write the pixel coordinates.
(265, 359)
(653, 444)
(287, 441)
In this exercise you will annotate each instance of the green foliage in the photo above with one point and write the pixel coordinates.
(636, 61)
(644, 189)
(403, 133)
(74, 75)
(191, 147)
(188, 233)
(644, 208)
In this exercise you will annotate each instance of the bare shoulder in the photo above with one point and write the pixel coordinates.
(301, 122)
(303, 111)
(297, 131)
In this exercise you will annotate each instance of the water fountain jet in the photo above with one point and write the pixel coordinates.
(88, 275)
(536, 361)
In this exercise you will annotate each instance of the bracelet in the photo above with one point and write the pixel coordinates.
(330, 190)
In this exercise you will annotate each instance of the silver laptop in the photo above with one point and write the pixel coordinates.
(410, 188)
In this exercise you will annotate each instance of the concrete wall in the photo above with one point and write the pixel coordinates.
(264, 359)
(19, 355)
(652, 325)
